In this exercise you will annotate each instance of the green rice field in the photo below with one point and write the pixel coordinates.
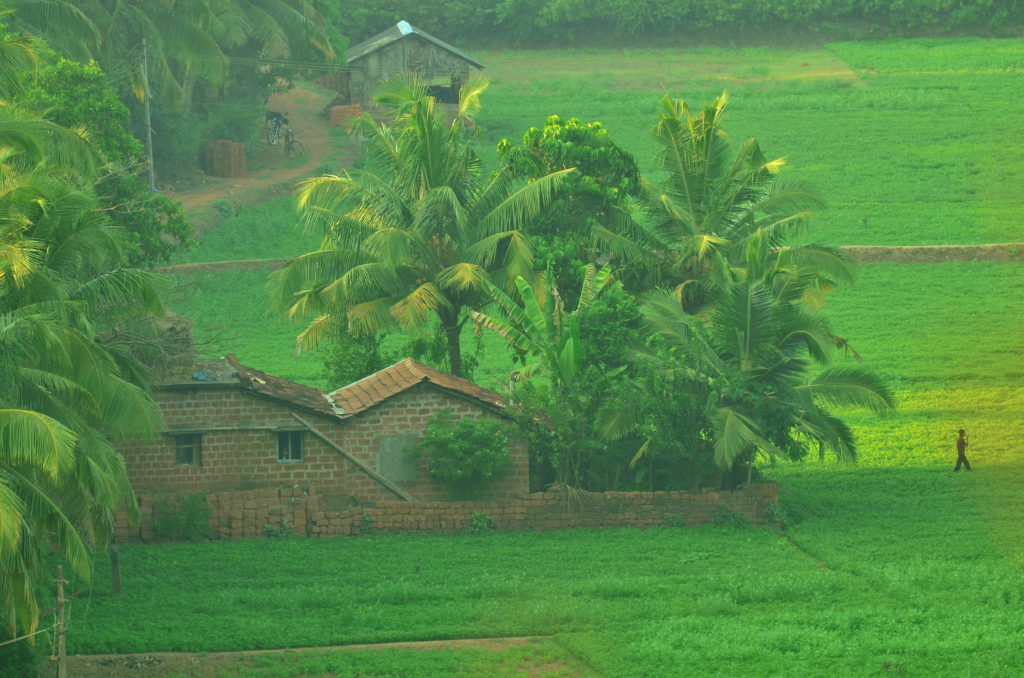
(894, 567)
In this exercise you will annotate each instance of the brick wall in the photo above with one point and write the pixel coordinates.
(239, 446)
(307, 512)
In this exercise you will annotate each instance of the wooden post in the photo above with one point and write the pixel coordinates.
(115, 563)
(62, 657)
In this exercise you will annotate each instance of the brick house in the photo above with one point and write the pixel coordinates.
(231, 427)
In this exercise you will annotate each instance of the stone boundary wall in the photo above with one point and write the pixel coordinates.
(254, 514)
(910, 254)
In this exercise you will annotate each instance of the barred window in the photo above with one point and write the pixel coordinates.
(289, 446)
(188, 449)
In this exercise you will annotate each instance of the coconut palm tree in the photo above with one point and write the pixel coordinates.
(414, 236)
(712, 201)
(764, 360)
(66, 391)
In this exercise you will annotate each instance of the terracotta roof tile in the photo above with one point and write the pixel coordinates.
(378, 387)
(307, 397)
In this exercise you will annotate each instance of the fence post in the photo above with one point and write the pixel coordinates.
(62, 657)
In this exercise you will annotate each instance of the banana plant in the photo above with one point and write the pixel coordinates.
(571, 393)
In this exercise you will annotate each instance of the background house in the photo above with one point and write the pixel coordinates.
(405, 49)
(230, 427)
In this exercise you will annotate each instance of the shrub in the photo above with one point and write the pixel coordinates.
(196, 516)
(284, 531)
(480, 523)
(726, 517)
(167, 522)
(468, 454)
(191, 520)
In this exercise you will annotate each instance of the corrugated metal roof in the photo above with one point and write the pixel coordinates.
(396, 33)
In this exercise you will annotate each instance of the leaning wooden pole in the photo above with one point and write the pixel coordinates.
(358, 464)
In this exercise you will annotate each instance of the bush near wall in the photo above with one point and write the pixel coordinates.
(492, 24)
(303, 512)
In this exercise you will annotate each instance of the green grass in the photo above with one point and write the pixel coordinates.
(897, 561)
(910, 135)
(267, 231)
(911, 566)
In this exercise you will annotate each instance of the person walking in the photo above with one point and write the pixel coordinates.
(961, 452)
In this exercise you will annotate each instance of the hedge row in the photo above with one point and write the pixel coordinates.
(580, 22)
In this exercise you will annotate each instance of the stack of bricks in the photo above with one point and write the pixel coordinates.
(342, 116)
(225, 159)
(254, 514)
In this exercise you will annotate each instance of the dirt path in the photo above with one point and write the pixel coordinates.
(271, 173)
(195, 665)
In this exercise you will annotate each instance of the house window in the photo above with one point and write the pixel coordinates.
(188, 449)
(289, 446)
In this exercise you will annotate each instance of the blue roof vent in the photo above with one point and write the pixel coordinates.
(404, 28)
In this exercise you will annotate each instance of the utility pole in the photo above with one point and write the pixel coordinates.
(149, 126)
(62, 653)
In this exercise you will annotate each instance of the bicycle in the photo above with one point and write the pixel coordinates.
(292, 147)
(275, 126)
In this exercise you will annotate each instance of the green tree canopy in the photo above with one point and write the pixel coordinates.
(414, 236)
(67, 389)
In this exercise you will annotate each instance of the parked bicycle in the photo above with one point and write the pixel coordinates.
(276, 123)
(292, 147)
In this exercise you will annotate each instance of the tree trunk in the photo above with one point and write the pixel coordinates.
(453, 333)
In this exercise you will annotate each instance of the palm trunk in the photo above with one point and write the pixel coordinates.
(453, 333)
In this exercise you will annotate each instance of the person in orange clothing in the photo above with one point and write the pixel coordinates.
(961, 451)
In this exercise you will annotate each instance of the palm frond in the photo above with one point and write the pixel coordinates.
(851, 386)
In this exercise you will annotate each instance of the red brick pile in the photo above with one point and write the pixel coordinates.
(342, 116)
(225, 159)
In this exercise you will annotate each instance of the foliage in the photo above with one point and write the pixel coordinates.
(76, 96)
(555, 390)
(348, 359)
(480, 523)
(941, 175)
(199, 63)
(71, 384)
(196, 512)
(725, 517)
(468, 454)
(887, 580)
(21, 658)
(566, 23)
(591, 199)
(711, 206)
(188, 518)
(282, 531)
(167, 521)
(416, 235)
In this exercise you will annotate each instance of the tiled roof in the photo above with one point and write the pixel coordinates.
(306, 397)
(396, 33)
(378, 387)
